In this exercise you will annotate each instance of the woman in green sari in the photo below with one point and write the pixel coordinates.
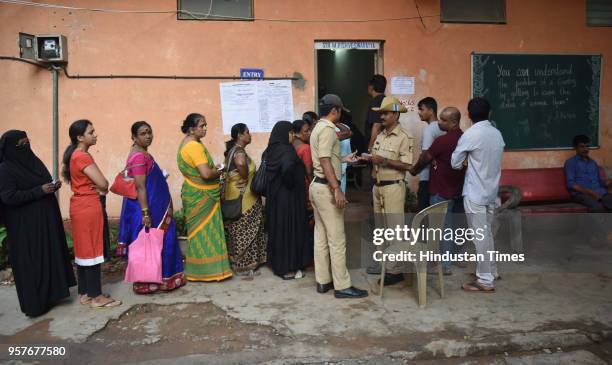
(207, 258)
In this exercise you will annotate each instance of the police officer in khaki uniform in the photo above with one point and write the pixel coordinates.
(328, 203)
(392, 156)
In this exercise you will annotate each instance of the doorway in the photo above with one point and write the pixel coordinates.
(344, 68)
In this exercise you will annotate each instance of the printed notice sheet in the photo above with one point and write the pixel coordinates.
(402, 85)
(258, 104)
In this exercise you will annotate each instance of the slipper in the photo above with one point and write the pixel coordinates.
(473, 274)
(476, 287)
(88, 300)
(110, 304)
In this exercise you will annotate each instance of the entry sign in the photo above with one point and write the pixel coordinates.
(251, 73)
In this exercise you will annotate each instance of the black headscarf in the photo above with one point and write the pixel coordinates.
(279, 149)
(22, 161)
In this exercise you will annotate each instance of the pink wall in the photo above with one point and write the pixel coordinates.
(101, 43)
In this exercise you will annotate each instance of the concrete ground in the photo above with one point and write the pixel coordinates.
(546, 318)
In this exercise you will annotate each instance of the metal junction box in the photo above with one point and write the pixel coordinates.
(43, 48)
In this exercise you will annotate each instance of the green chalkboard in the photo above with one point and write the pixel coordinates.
(540, 101)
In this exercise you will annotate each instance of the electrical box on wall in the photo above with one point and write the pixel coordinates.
(43, 48)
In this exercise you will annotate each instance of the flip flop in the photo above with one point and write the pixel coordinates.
(110, 304)
(476, 287)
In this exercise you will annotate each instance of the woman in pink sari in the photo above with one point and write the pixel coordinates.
(152, 208)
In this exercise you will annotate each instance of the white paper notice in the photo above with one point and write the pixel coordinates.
(258, 104)
(402, 85)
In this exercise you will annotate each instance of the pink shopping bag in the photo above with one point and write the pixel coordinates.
(144, 257)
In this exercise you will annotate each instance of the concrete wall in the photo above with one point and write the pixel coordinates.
(103, 43)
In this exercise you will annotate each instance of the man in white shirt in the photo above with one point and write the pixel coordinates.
(483, 146)
(428, 112)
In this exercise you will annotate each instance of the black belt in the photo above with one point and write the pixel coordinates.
(388, 182)
(320, 180)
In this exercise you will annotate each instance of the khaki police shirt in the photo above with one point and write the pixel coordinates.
(325, 143)
(394, 145)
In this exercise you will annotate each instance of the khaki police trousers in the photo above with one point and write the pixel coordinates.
(329, 239)
(393, 196)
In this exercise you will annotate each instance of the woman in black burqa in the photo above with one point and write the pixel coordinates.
(289, 250)
(38, 251)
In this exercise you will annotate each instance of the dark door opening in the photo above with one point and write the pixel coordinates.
(346, 72)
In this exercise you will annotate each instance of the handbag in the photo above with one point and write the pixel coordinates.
(125, 185)
(231, 209)
(144, 255)
(260, 180)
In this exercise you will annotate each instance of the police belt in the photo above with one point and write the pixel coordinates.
(320, 180)
(388, 182)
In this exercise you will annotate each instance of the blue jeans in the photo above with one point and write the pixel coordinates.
(455, 206)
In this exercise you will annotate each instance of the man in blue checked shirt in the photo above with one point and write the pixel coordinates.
(583, 179)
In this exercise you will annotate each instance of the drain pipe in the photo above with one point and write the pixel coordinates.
(55, 71)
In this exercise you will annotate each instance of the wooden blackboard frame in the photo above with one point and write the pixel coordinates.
(593, 147)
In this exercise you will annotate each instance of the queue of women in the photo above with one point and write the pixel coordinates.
(279, 234)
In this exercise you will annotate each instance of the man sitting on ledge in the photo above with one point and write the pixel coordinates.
(583, 180)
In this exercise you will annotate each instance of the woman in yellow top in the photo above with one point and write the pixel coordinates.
(246, 241)
(207, 258)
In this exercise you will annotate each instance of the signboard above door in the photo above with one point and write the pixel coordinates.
(347, 44)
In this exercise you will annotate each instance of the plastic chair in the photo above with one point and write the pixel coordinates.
(435, 215)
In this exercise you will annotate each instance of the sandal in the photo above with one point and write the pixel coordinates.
(289, 276)
(84, 299)
(87, 299)
(111, 303)
(476, 287)
(473, 274)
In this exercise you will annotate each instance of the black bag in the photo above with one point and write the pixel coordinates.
(260, 180)
(231, 209)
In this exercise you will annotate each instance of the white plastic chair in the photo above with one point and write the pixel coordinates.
(435, 215)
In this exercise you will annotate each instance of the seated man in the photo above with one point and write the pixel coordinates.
(583, 180)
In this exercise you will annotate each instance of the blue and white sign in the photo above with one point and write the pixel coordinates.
(251, 73)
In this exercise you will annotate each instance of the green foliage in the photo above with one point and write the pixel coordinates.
(411, 203)
(180, 222)
(3, 248)
(2, 234)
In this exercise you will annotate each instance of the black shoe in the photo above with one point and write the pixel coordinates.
(324, 288)
(350, 292)
(391, 279)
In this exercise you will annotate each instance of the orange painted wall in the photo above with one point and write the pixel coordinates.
(101, 43)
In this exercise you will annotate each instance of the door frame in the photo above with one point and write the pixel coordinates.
(363, 44)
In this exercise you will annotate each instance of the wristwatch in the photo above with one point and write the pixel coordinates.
(384, 163)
